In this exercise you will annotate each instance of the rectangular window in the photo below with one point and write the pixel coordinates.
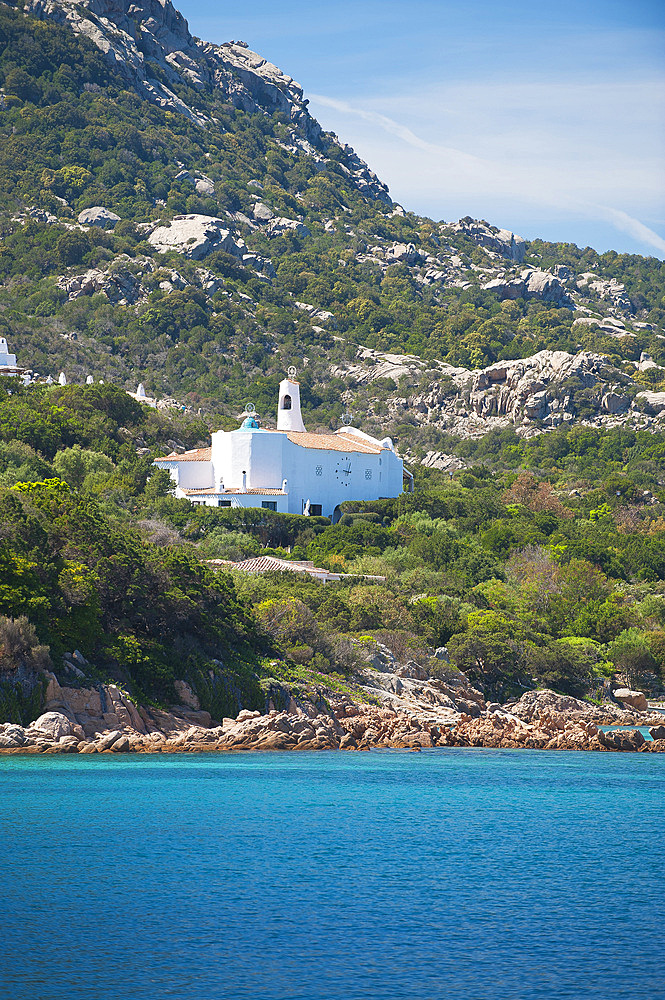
(315, 509)
(223, 503)
(269, 504)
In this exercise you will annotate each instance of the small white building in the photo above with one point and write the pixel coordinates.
(288, 470)
(141, 397)
(8, 364)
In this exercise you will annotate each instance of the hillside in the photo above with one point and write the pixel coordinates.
(171, 213)
(288, 249)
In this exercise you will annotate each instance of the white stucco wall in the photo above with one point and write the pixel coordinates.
(7, 360)
(190, 475)
(332, 485)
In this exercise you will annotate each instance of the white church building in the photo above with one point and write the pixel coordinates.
(288, 470)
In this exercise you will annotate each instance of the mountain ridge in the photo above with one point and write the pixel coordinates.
(141, 38)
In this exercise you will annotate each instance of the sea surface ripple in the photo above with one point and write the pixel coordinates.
(514, 875)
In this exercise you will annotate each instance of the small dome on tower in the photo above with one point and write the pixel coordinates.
(249, 424)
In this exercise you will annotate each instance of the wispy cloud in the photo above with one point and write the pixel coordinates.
(565, 150)
(388, 125)
(627, 224)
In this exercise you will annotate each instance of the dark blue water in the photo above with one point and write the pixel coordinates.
(445, 874)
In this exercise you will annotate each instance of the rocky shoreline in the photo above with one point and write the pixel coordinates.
(540, 720)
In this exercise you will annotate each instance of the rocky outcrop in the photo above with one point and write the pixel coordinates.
(502, 730)
(499, 241)
(120, 282)
(625, 739)
(653, 401)
(532, 394)
(529, 284)
(202, 184)
(610, 290)
(278, 226)
(429, 691)
(321, 315)
(105, 720)
(608, 325)
(547, 703)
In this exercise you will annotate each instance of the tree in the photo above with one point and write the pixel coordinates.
(72, 247)
(631, 654)
(75, 463)
(492, 652)
(23, 85)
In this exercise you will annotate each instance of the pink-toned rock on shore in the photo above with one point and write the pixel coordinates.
(539, 720)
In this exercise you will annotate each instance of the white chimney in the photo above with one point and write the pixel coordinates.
(89, 380)
(289, 417)
(62, 378)
(140, 392)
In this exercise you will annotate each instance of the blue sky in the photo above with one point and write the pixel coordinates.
(545, 119)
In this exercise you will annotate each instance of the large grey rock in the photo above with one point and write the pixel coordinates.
(530, 284)
(55, 724)
(194, 236)
(634, 699)
(12, 736)
(98, 216)
(614, 402)
(412, 669)
(262, 213)
(655, 401)
(546, 701)
(621, 739)
(120, 281)
(278, 226)
(203, 185)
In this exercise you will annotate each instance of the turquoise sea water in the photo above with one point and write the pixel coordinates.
(446, 874)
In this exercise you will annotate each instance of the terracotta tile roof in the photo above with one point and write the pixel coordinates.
(333, 442)
(232, 491)
(324, 442)
(267, 564)
(195, 455)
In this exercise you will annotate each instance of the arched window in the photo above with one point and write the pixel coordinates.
(286, 403)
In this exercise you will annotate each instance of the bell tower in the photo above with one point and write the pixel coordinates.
(289, 417)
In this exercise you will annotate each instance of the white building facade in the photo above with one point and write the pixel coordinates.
(8, 364)
(288, 470)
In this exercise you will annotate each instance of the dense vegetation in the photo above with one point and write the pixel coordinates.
(552, 577)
